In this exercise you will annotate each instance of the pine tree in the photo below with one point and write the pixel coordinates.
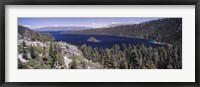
(95, 55)
(73, 64)
(123, 65)
(32, 53)
(52, 53)
(140, 57)
(149, 54)
(179, 52)
(84, 50)
(44, 51)
(124, 47)
(107, 54)
(162, 64)
(128, 52)
(134, 60)
(169, 58)
(115, 49)
(24, 50)
(24, 44)
(102, 56)
(60, 59)
(175, 58)
(155, 58)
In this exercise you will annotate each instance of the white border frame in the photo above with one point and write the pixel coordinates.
(187, 74)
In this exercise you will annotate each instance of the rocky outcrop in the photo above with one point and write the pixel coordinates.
(69, 51)
(38, 51)
(92, 39)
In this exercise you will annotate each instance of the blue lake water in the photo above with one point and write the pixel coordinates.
(105, 40)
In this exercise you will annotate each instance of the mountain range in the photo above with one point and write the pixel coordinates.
(166, 30)
(61, 28)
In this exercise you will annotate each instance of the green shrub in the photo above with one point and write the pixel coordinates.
(60, 58)
(34, 63)
(22, 65)
(20, 49)
(38, 49)
(78, 58)
(46, 66)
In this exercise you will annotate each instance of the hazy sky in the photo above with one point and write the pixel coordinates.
(83, 22)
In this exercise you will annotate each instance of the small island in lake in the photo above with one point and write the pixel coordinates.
(92, 39)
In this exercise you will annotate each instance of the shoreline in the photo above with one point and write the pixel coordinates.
(155, 42)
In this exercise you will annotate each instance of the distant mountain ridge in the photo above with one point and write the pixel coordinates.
(63, 28)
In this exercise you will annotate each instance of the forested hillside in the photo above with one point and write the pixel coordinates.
(167, 30)
(24, 32)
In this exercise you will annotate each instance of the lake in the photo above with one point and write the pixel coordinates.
(105, 40)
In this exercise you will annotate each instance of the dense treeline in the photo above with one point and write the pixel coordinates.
(167, 30)
(135, 57)
(25, 32)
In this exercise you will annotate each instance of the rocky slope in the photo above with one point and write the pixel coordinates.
(37, 54)
(66, 50)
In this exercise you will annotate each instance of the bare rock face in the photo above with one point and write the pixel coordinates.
(19, 36)
(20, 57)
(57, 65)
(68, 51)
(32, 43)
